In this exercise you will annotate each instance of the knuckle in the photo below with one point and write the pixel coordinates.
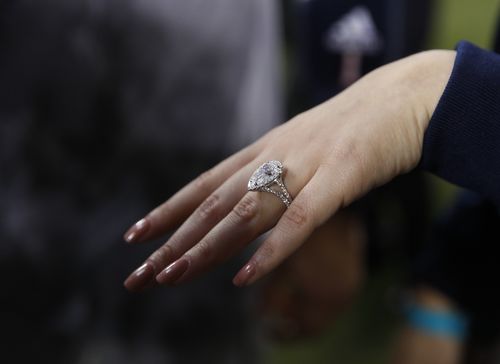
(160, 257)
(209, 209)
(266, 253)
(202, 182)
(349, 150)
(162, 210)
(296, 215)
(205, 250)
(246, 210)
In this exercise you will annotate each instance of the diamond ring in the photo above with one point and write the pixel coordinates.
(266, 177)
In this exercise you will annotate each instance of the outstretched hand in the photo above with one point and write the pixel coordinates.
(332, 155)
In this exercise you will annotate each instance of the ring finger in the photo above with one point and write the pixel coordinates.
(254, 214)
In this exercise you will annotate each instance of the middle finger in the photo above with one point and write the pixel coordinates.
(254, 214)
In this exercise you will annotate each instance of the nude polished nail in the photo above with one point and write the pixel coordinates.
(244, 275)
(137, 231)
(140, 278)
(173, 272)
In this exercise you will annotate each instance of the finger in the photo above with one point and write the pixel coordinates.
(243, 224)
(314, 204)
(177, 208)
(201, 221)
(255, 213)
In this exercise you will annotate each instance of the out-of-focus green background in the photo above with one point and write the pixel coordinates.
(455, 20)
(463, 19)
(366, 332)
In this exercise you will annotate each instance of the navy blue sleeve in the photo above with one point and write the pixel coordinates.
(462, 141)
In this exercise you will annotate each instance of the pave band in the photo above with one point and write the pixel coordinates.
(267, 176)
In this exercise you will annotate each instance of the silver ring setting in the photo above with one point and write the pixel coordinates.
(269, 178)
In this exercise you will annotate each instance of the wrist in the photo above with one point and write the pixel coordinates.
(418, 82)
(432, 313)
(428, 75)
(413, 88)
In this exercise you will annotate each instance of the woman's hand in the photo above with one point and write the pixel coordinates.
(332, 155)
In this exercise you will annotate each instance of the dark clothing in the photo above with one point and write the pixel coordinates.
(461, 145)
(462, 260)
(106, 108)
(462, 142)
(401, 25)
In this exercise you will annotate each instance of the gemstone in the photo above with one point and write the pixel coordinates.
(265, 175)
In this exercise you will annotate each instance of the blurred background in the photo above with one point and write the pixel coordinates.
(107, 107)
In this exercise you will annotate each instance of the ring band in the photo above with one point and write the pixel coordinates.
(267, 176)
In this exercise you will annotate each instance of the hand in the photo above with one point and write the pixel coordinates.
(415, 346)
(303, 296)
(332, 154)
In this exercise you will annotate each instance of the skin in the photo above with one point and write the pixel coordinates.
(332, 154)
(296, 300)
(417, 347)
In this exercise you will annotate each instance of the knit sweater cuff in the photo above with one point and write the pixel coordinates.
(462, 141)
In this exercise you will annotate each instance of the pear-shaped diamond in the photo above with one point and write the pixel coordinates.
(265, 175)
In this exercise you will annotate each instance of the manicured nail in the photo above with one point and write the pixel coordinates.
(140, 278)
(173, 272)
(244, 275)
(137, 231)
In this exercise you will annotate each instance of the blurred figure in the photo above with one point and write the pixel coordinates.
(303, 297)
(106, 107)
(459, 264)
(317, 284)
(339, 41)
(332, 44)
(428, 336)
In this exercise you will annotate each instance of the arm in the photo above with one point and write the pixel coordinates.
(333, 154)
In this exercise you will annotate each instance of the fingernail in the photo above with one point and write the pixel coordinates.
(140, 278)
(244, 275)
(137, 231)
(173, 272)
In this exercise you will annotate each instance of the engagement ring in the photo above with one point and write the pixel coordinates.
(266, 177)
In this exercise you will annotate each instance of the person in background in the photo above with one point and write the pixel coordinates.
(106, 107)
(338, 42)
(329, 46)
(453, 305)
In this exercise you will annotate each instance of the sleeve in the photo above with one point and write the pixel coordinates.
(462, 141)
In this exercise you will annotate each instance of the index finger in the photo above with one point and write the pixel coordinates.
(177, 208)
